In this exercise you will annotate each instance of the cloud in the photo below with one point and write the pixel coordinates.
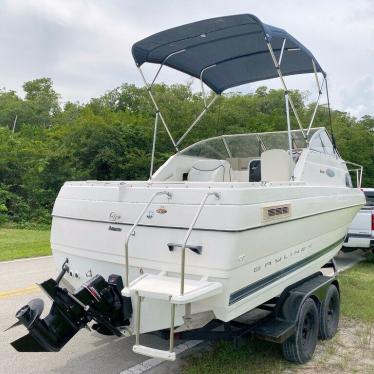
(358, 99)
(85, 46)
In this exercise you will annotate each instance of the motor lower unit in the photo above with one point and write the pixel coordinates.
(97, 300)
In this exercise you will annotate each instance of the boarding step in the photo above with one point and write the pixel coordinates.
(153, 352)
(163, 287)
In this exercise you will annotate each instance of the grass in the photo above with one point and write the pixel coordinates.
(254, 356)
(19, 243)
(357, 289)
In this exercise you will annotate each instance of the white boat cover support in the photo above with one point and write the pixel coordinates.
(217, 51)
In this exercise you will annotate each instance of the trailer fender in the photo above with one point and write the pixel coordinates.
(291, 300)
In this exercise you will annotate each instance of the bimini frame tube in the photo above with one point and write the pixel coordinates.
(198, 118)
(160, 116)
(319, 87)
(162, 65)
(153, 145)
(202, 83)
(286, 96)
(206, 105)
(315, 107)
(148, 87)
(277, 67)
(289, 100)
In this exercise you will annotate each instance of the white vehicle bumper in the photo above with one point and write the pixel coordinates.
(359, 241)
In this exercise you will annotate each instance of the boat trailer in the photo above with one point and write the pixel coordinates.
(100, 301)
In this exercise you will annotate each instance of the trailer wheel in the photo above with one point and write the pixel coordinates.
(329, 314)
(300, 346)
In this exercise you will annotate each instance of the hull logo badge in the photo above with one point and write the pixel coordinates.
(113, 216)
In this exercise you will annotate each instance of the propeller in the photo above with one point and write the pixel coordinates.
(14, 325)
(27, 316)
(29, 313)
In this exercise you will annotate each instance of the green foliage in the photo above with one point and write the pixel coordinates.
(39, 107)
(42, 99)
(110, 137)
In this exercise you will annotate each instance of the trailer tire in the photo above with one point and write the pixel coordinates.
(299, 347)
(329, 314)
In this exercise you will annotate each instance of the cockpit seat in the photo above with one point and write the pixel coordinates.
(210, 171)
(275, 166)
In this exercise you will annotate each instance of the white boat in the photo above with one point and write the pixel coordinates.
(226, 224)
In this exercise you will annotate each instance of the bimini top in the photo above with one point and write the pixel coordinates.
(226, 52)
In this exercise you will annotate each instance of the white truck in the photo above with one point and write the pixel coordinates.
(361, 232)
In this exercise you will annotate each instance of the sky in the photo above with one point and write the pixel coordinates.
(85, 46)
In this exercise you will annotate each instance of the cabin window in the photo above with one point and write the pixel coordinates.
(348, 180)
(322, 143)
(326, 143)
(316, 144)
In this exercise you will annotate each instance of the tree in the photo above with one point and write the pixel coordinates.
(42, 99)
(110, 138)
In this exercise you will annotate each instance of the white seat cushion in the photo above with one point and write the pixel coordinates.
(275, 166)
(209, 171)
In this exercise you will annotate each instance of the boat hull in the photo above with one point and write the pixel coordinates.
(253, 258)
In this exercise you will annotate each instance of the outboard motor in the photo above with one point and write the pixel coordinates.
(97, 300)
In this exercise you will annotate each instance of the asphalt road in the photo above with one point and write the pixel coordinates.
(87, 352)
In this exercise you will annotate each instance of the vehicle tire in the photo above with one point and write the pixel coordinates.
(299, 347)
(329, 314)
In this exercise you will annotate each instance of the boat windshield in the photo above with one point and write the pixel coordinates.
(246, 145)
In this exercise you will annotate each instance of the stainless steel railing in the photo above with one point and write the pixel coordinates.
(183, 253)
(357, 168)
(169, 195)
(183, 260)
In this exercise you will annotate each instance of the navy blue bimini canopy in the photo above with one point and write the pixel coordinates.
(234, 47)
